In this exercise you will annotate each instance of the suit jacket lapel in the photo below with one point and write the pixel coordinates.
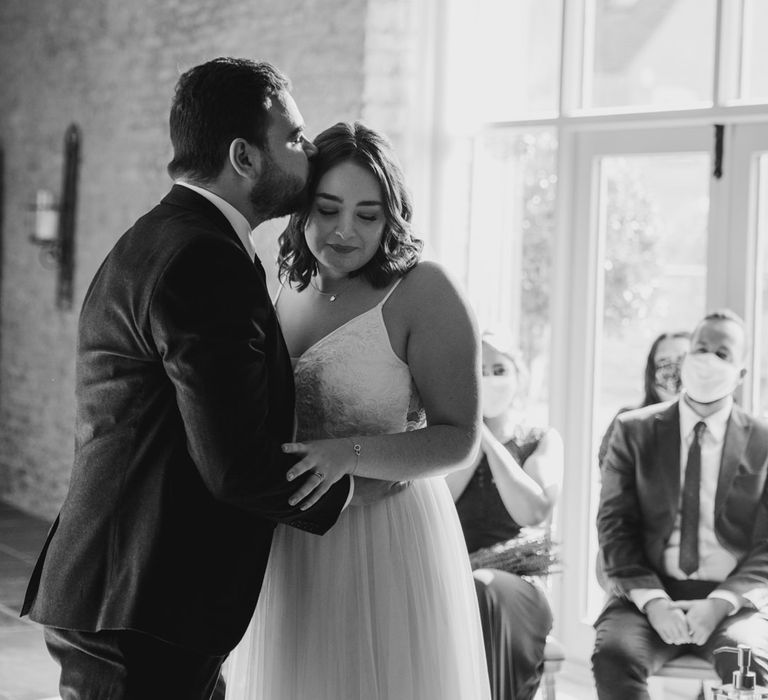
(668, 451)
(736, 438)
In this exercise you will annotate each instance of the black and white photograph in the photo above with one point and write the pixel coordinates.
(384, 350)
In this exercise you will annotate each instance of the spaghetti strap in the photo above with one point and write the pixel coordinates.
(389, 293)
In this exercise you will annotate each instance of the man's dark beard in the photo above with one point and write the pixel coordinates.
(277, 193)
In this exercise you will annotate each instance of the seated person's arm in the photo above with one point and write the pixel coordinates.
(620, 523)
(747, 584)
(458, 480)
(530, 491)
(641, 597)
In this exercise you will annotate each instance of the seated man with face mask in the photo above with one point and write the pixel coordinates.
(683, 524)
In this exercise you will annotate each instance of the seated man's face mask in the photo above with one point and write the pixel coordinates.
(708, 378)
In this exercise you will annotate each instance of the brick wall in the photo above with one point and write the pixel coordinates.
(110, 66)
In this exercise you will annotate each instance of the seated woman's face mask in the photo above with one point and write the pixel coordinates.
(667, 379)
(497, 393)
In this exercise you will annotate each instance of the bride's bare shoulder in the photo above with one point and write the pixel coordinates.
(429, 282)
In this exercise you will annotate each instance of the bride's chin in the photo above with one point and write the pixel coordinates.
(336, 272)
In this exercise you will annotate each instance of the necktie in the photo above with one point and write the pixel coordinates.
(689, 517)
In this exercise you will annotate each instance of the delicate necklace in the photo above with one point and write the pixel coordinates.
(332, 296)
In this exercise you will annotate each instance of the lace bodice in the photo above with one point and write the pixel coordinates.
(351, 382)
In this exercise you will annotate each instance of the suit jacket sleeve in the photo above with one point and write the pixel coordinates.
(209, 313)
(750, 578)
(620, 524)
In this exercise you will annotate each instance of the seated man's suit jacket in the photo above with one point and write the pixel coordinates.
(641, 493)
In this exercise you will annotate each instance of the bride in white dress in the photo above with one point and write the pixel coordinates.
(383, 606)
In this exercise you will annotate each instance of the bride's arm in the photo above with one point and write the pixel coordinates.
(443, 354)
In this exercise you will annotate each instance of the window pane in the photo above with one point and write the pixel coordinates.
(647, 53)
(762, 310)
(502, 60)
(754, 79)
(653, 212)
(510, 252)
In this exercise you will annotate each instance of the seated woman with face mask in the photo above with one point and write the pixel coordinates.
(514, 483)
(661, 382)
(661, 379)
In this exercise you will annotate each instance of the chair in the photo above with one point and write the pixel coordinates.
(689, 666)
(554, 655)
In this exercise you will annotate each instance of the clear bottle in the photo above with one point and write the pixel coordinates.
(743, 685)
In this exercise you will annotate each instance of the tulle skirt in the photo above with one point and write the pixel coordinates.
(382, 607)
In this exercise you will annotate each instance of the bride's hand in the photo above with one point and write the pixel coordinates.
(326, 461)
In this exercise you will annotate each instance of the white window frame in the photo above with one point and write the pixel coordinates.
(573, 337)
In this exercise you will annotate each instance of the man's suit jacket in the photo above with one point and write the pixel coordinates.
(184, 395)
(641, 491)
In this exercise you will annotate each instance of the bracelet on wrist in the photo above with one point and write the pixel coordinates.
(357, 449)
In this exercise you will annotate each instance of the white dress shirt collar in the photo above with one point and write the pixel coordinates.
(716, 423)
(235, 218)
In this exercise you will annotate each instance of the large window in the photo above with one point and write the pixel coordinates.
(650, 223)
(601, 177)
(509, 256)
(634, 55)
(503, 60)
(753, 52)
(497, 214)
(652, 218)
(761, 320)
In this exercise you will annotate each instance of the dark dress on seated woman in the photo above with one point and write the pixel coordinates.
(514, 611)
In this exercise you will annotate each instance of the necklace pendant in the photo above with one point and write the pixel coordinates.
(333, 298)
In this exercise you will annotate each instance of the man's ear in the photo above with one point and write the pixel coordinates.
(246, 159)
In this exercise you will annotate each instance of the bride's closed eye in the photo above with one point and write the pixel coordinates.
(322, 211)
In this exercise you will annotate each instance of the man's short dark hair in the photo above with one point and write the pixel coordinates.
(726, 315)
(215, 103)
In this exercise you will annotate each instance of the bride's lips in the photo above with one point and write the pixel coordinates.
(343, 249)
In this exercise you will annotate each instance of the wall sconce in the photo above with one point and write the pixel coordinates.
(53, 226)
(45, 221)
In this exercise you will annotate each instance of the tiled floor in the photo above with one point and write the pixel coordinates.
(26, 670)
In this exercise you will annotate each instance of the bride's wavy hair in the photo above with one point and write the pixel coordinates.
(398, 251)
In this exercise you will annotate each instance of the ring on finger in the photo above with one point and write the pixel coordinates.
(319, 475)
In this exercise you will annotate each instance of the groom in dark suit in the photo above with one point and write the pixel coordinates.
(151, 572)
(683, 525)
